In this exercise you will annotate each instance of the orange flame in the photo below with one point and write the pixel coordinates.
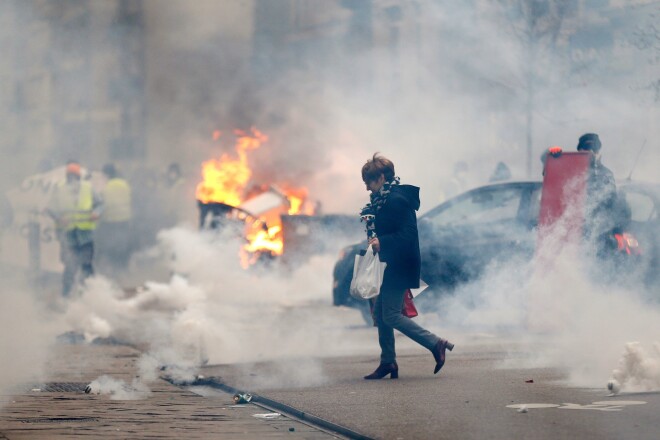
(295, 203)
(224, 179)
(260, 241)
(270, 240)
(298, 204)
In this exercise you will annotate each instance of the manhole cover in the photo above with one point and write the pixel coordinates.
(61, 387)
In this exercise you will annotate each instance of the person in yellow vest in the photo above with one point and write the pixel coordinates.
(75, 207)
(114, 234)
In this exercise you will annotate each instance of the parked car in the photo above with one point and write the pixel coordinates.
(644, 202)
(461, 236)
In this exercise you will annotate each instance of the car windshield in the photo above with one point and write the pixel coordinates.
(535, 204)
(487, 205)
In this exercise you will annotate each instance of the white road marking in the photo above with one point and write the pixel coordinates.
(607, 407)
(620, 402)
(532, 405)
(602, 405)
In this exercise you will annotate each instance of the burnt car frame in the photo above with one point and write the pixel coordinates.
(462, 236)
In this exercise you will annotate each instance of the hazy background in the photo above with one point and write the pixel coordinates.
(146, 83)
(427, 83)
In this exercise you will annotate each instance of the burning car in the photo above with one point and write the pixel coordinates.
(222, 198)
(277, 220)
(462, 236)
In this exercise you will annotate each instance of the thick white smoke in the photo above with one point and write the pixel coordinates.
(118, 389)
(638, 370)
(570, 310)
(445, 85)
(214, 311)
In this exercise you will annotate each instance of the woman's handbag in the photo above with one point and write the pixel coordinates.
(409, 308)
(368, 273)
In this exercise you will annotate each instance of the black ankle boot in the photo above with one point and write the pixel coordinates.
(383, 370)
(439, 353)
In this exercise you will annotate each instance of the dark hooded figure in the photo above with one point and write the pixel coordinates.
(392, 232)
(606, 212)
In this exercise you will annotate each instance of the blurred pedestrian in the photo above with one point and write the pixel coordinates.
(173, 176)
(391, 225)
(114, 233)
(501, 173)
(147, 209)
(75, 207)
(174, 197)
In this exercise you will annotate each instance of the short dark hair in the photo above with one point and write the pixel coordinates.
(376, 166)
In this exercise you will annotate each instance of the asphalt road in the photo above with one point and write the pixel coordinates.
(472, 397)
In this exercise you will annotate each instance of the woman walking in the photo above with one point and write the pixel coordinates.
(392, 232)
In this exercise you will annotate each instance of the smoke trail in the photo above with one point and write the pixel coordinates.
(119, 389)
(638, 371)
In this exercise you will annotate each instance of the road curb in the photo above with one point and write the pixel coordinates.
(294, 413)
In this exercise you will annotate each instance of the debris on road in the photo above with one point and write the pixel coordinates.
(523, 409)
(267, 415)
(241, 398)
(529, 381)
(614, 387)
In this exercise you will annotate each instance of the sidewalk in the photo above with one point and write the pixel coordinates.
(60, 409)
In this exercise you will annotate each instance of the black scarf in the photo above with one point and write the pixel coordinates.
(378, 199)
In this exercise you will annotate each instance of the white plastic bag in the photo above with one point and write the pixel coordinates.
(368, 273)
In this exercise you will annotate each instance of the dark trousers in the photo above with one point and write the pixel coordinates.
(76, 258)
(387, 312)
(113, 246)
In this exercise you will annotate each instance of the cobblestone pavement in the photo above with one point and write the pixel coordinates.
(58, 408)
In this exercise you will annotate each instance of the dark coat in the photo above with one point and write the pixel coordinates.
(396, 228)
(606, 211)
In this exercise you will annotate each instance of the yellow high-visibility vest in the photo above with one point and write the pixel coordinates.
(116, 201)
(75, 208)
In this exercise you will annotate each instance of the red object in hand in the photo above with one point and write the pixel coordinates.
(555, 151)
(409, 308)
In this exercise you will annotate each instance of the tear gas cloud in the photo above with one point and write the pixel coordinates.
(448, 85)
(573, 309)
(468, 104)
(214, 311)
(118, 389)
